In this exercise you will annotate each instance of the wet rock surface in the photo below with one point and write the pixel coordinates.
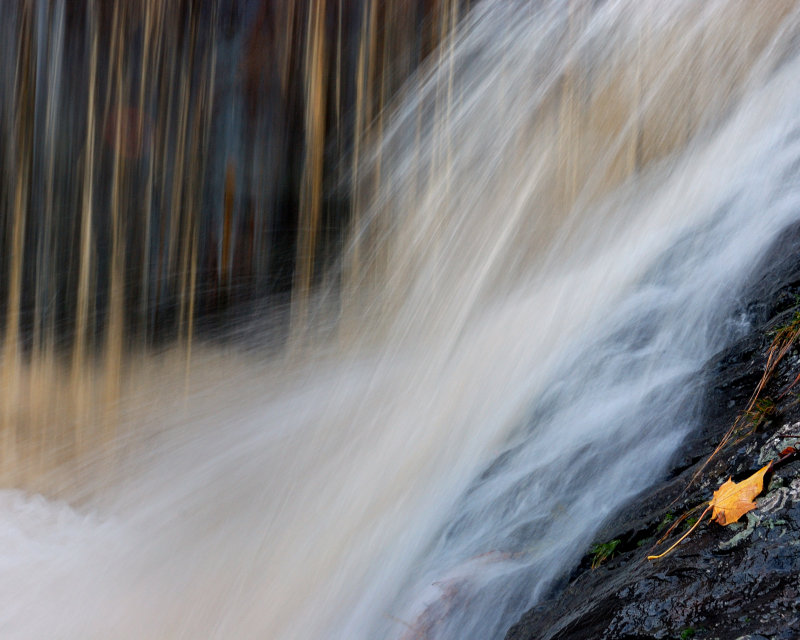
(739, 582)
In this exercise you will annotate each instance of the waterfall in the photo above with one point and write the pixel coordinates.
(549, 240)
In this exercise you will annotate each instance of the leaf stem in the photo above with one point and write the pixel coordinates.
(678, 541)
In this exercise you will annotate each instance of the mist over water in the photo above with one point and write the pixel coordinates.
(551, 237)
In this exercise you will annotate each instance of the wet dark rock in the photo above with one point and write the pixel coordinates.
(740, 582)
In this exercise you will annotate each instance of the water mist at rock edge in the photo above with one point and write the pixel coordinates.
(543, 265)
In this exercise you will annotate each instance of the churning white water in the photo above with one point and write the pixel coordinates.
(560, 217)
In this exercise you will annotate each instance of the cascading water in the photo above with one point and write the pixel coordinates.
(558, 218)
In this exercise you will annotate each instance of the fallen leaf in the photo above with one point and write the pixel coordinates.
(730, 502)
(733, 499)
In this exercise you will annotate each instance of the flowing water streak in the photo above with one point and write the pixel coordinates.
(521, 306)
(143, 190)
(625, 293)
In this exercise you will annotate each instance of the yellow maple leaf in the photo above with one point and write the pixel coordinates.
(730, 502)
(733, 499)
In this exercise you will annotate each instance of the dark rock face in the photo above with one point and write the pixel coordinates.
(737, 582)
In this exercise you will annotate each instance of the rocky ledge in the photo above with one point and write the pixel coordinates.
(738, 582)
